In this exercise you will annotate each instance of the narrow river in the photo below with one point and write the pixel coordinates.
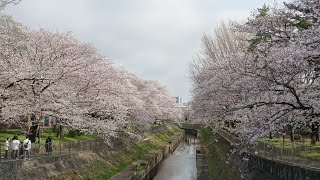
(181, 164)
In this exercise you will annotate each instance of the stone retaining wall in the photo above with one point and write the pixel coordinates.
(202, 164)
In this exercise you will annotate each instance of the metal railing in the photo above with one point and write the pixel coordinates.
(52, 149)
(296, 153)
(300, 154)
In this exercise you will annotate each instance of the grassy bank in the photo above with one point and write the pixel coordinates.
(217, 149)
(302, 149)
(109, 165)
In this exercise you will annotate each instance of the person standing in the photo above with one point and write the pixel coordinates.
(15, 147)
(6, 148)
(48, 146)
(26, 147)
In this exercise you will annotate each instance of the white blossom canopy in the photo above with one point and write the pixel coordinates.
(263, 73)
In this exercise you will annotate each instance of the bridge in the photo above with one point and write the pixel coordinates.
(191, 128)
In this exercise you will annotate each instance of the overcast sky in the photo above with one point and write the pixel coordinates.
(155, 39)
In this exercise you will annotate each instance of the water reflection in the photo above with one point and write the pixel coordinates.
(181, 165)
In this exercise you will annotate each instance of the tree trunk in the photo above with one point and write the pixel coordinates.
(32, 134)
(291, 133)
(270, 135)
(60, 131)
(313, 133)
(317, 133)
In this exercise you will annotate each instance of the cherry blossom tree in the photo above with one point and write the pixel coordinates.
(39, 68)
(4, 3)
(44, 73)
(266, 75)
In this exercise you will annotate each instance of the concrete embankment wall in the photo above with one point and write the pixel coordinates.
(100, 163)
(146, 168)
(45, 167)
(216, 150)
(202, 164)
(264, 169)
(282, 170)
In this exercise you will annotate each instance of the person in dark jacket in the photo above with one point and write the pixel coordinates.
(48, 146)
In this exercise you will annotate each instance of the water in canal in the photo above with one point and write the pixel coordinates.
(181, 164)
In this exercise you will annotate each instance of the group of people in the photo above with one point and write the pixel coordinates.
(15, 145)
(25, 148)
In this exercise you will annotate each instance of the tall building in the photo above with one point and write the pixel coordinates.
(178, 100)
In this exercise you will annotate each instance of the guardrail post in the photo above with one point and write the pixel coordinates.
(60, 146)
(40, 149)
(294, 152)
(0, 152)
(77, 146)
(69, 147)
(282, 149)
(32, 151)
(305, 149)
(271, 150)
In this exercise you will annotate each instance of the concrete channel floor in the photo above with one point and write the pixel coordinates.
(181, 164)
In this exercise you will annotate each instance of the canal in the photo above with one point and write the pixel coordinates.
(181, 164)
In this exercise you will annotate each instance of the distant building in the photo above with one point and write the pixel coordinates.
(185, 107)
(178, 100)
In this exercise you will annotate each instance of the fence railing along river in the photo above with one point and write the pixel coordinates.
(296, 153)
(58, 148)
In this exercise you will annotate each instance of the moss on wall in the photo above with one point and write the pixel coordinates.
(217, 150)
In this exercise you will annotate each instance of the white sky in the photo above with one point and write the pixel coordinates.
(155, 39)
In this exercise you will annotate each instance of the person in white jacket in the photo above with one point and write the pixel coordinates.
(26, 147)
(6, 148)
(15, 147)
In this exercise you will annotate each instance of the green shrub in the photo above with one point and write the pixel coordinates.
(3, 127)
(73, 133)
